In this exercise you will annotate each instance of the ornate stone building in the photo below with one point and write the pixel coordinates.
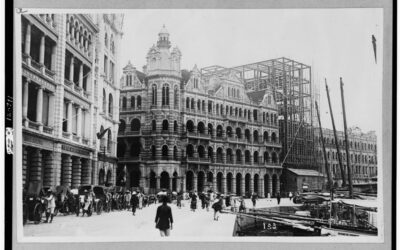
(363, 155)
(182, 130)
(60, 98)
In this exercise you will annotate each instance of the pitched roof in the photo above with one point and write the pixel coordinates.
(140, 76)
(256, 96)
(305, 172)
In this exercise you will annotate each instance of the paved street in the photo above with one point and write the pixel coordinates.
(140, 227)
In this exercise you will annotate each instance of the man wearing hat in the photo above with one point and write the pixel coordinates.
(134, 202)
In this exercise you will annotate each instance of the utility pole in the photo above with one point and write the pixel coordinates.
(328, 172)
(349, 173)
(334, 133)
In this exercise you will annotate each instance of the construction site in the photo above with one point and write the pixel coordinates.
(291, 83)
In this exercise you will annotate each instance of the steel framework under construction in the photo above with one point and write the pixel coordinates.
(291, 84)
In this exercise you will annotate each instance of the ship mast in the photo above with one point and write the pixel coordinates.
(346, 142)
(328, 172)
(335, 136)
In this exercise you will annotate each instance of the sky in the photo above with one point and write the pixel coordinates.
(334, 42)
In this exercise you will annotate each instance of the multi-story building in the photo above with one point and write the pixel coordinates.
(363, 155)
(184, 130)
(60, 99)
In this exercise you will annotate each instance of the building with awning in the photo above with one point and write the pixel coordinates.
(302, 180)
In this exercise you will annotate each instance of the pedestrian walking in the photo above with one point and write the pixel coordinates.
(207, 199)
(164, 218)
(242, 206)
(134, 202)
(140, 200)
(254, 198)
(217, 206)
(290, 196)
(278, 198)
(51, 205)
(269, 197)
(202, 199)
(179, 199)
(193, 203)
(228, 200)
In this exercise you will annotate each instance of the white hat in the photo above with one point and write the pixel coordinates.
(133, 192)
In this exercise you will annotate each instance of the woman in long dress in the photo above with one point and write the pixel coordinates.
(193, 203)
(140, 200)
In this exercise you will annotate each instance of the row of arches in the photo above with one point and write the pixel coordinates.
(135, 101)
(79, 33)
(234, 183)
(356, 158)
(256, 137)
(352, 144)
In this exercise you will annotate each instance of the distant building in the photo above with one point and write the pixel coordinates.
(60, 98)
(363, 155)
(186, 131)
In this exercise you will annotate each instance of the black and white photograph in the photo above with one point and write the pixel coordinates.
(260, 125)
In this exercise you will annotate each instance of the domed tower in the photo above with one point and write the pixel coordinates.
(161, 135)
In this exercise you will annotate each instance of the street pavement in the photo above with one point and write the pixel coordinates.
(122, 224)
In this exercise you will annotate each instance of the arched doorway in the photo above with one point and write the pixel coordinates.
(229, 182)
(219, 182)
(274, 184)
(247, 184)
(102, 174)
(135, 178)
(153, 180)
(108, 177)
(238, 184)
(266, 184)
(164, 180)
(255, 184)
(189, 180)
(200, 181)
(174, 181)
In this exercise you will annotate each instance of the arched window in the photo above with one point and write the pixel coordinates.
(190, 126)
(165, 125)
(164, 152)
(153, 152)
(110, 105)
(239, 133)
(255, 157)
(189, 150)
(266, 157)
(165, 94)
(247, 156)
(255, 136)
(201, 128)
(132, 102)
(238, 156)
(139, 102)
(265, 137)
(109, 141)
(201, 151)
(154, 95)
(187, 102)
(192, 104)
(124, 102)
(135, 125)
(175, 153)
(199, 105)
(229, 132)
(175, 126)
(176, 97)
(121, 127)
(153, 125)
(219, 131)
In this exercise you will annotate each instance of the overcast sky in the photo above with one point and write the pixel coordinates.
(336, 43)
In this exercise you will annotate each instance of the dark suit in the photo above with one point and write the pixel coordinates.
(164, 217)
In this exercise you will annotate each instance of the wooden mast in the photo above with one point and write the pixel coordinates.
(349, 172)
(335, 136)
(328, 172)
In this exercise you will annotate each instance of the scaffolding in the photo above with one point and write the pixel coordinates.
(291, 83)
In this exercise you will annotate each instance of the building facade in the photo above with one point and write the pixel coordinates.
(186, 131)
(60, 99)
(363, 155)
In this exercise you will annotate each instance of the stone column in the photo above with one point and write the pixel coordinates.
(49, 171)
(278, 184)
(86, 172)
(39, 105)
(158, 182)
(76, 172)
(183, 184)
(94, 172)
(195, 182)
(224, 185)
(251, 188)
(79, 122)
(25, 102)
(261, 187)
(36, 167)
(170, 182)
(214, 183)
(71, 70)
(66, 170)
(41, 49)
(81, 75)
(242, 185)
(69, 117)
(72, 32)
(269, 189)
(28, 42)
